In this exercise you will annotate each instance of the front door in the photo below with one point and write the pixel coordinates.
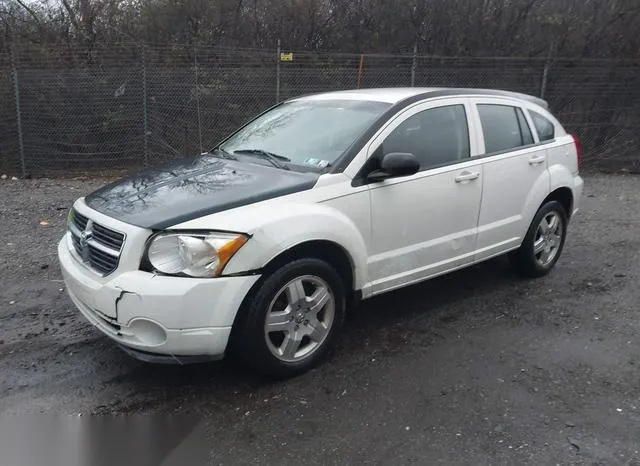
(425, 224)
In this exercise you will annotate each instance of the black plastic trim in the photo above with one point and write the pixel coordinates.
(247, 273)
(170, 359)
(356, 298)
(471, 93)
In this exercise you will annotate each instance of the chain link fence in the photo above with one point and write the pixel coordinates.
(65, 110)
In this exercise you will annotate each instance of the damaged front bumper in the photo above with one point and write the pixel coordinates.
(156, 318)
(169, 359)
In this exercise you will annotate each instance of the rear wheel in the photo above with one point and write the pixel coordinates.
(291, 321)
(543, 243)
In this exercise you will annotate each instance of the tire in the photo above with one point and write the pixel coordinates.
(312, 324)
(531, 261)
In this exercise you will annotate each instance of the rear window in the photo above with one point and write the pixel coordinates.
(504, 128)
(546, 130)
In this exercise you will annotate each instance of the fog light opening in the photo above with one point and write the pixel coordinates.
(148, 332)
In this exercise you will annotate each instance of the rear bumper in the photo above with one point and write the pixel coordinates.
(158, 319)
(578, 188)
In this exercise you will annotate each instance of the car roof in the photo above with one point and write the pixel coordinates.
(394, 95)
(390, 95)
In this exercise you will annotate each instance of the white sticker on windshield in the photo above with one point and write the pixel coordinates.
(317, 162)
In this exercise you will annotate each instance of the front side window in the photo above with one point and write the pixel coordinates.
(546, 130)
(313, 133)
(504, 128)
(435, 137)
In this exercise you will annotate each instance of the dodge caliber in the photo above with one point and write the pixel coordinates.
(258, 247)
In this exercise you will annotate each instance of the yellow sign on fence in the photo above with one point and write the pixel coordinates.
(286, 56)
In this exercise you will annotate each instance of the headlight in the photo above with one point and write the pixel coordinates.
(193, 254)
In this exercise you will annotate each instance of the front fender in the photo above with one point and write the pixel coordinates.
(291, 225)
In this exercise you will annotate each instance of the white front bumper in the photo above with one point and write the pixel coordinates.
(170, 316)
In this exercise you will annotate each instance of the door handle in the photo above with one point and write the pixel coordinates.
(537, 159)
(467, 176)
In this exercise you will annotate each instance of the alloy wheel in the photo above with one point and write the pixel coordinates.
(299, 318)
(548, 239)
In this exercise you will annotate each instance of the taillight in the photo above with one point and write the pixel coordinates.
(576, 141)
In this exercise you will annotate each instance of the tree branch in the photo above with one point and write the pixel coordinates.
(33, 14)
(72, 15)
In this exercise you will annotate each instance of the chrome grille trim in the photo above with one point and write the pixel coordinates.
(95, 245)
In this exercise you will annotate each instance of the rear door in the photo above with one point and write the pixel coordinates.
(515, 174)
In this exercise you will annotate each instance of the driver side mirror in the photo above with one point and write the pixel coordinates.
(394, 165)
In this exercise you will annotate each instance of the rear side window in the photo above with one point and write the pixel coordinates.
(546, 130)
(436, 136)
(504, 127)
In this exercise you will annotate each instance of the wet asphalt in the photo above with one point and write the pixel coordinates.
(478, 367)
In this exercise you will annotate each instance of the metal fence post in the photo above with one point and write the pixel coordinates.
(360, 68)
(545, 77)
(547, 67)
(414, 64)
(16, 86)
(195, 65)
(278, 74)
(145, 109)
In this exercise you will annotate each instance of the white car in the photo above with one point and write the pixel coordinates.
(259, 246)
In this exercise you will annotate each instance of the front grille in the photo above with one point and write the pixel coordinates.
(97, 246)
(79, 220)
(110, 238)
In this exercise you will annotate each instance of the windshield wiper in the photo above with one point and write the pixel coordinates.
(275, 159)
(222, 153)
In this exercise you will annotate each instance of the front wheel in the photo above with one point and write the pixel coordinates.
(291, 321)
(543, 243)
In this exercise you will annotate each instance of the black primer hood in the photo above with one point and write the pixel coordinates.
(160, 197)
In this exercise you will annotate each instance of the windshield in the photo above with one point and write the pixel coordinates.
(311, 133)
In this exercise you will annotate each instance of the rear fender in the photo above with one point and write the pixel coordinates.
(536, 197)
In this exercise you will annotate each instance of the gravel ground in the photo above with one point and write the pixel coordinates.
(478, 367)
